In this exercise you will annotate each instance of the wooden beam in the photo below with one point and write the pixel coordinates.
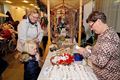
(80, 23)
(70, 6)
(56, 6)
(66, 6)
(48, 12)
(49, 38)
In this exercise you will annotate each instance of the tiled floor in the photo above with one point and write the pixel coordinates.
(15, 69)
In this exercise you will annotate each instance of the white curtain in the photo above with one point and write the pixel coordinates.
(87, 10)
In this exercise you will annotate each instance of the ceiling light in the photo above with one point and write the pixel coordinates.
(25, 1)
(31, 4)
(35, 6)
(7, 1)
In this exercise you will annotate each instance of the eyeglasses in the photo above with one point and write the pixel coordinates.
(91, 26)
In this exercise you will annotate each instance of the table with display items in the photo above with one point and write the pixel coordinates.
(78, 70)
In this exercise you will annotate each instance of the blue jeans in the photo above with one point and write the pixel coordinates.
(31, 70)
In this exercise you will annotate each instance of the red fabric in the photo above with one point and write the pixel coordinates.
(6, 34)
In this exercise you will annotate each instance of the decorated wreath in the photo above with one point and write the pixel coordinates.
(62, 59)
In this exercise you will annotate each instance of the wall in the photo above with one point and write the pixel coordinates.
(112, 10)
(16, 12)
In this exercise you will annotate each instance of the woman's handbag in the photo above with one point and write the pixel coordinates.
(24, 57)
(29, 49)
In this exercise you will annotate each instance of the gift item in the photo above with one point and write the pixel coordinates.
(78, 57)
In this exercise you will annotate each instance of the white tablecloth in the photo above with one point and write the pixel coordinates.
(49, 72)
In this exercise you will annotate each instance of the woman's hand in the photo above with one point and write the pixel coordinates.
(80, 50)
(88, 48)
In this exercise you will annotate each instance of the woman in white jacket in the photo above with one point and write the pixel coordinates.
(29, 31)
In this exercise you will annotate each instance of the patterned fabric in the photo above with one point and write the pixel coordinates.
(105, 56)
